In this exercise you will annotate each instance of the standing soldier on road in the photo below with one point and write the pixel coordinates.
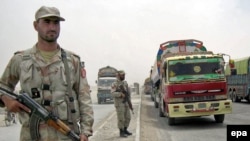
(54, 78)
(122, 107)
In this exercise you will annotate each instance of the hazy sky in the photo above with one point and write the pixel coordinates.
(126, 33)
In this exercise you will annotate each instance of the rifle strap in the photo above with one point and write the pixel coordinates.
(70, 95)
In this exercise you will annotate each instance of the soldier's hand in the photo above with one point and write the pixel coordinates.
(122, 95)
(83, 138)
(13, 105)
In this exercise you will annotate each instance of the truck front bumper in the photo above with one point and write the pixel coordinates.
(200, 108)
(106, 96)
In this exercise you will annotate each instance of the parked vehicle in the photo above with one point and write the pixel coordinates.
(192, 81)
(148, 89)
(155, 78)
(238, 79)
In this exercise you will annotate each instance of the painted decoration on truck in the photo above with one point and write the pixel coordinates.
(197, 69)
(179, 46)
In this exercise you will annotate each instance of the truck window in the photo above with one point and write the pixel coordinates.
(195, 69)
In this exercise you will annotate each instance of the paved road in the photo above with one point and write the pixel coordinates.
(101, 111)
(108, 130)
(8, 133)
(155, 128)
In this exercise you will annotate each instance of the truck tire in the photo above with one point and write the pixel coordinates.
(155, 102)
(219, 118)
(235, 97)
(99, 100)
(171, 121)
(248, 99)
(230, 94)
(152, 97)
(248, 96)
(161, 114)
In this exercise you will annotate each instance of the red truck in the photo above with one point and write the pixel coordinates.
(190, 80)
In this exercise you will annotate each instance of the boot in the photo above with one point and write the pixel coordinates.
(126, 131)
(122, 134)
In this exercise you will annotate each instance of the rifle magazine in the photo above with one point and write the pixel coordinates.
(34, 127)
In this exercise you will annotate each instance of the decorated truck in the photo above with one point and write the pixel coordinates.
(106, 76)
(192, 81)
(155, 78)
(238, 79)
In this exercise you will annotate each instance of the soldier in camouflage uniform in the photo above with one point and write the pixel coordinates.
(122, 108)
(42, 75)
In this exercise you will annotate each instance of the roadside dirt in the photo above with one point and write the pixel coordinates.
(152, 127)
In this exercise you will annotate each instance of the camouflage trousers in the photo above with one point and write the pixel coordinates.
(123, 116)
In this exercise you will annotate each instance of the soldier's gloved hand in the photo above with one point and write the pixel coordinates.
(122, 95)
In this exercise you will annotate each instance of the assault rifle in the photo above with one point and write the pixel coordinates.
(40, 113)
(126, 98)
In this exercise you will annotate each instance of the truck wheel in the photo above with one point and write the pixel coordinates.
(230, 95)
(171, 121)
(161, 114)
(156, 103)
(235, 97)
(219, 118)
(99, 100)
(248, 98)
(152, 98)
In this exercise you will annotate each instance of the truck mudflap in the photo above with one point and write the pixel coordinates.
(200, 108)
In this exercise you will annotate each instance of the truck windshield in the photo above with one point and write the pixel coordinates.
(196, 69)
(105, 82)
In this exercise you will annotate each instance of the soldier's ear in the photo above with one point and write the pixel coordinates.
(35, 23)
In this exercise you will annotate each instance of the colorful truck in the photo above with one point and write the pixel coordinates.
(106, 76)
(191, 81)
(155, 78)
(238, 79)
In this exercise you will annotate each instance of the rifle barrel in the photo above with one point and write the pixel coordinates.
(9, 93)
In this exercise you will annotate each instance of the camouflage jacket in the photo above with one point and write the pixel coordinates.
(49, 79)
(118, 101)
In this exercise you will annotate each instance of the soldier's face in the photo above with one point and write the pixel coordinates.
(48, 28)
(122, 77)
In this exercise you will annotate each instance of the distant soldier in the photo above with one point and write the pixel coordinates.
(122, 106)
